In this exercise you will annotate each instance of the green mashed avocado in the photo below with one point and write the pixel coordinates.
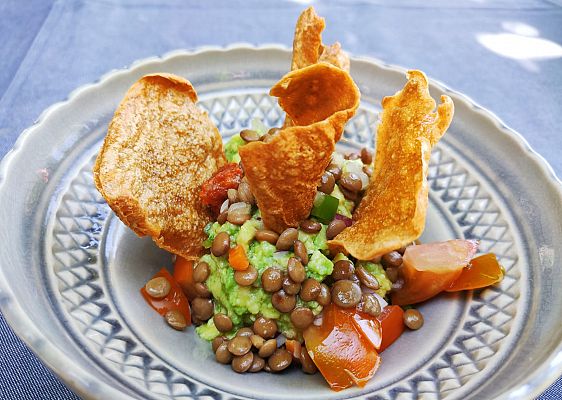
(244, 304)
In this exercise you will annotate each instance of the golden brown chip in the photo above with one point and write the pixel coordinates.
(392, 213)
(159, 149)
(309, 95)
(336, 56)
(307, 43)
(284, 172)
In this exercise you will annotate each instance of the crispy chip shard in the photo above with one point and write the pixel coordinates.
(392, 213)
(159, 149)
(284, 173)
(307, 42)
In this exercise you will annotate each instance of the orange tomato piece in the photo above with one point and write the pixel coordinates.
(237, 258)
(175, 300)
(430, 268)
(481, 272)
(293, 347)
(342, 354)
(392, 325)
(183, 275)
(369, 326)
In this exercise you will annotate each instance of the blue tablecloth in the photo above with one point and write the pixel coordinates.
(506, 55)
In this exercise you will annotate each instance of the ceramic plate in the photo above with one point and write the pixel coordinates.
(71, 271)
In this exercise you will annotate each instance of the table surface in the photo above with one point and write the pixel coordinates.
(505, 55)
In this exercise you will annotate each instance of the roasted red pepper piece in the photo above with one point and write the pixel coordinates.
(214, 191)
(175, 300)
(392, 325)
(482, 271)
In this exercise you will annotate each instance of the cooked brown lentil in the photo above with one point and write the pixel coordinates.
(413, 319)
(223, 216)
(335, 171)
(310, 289)
(273, 131)
(368, 170)
(302, 317)
(223, 323)
(239, 345)
(352, 156)
(392, 260)
(249, 135)
(291, 287)
(176, 320)
(158, 288)
(217, 342)
(257, 341)
(279, 360)
(238, 213)
(283, 302)
(370, 304)
(257, 364)
(268, 348)
(310, 226)
(222, 354)
(327, 183)
(343, 269)
(366, 156)
(271, 280)
(201, 290)
(334, 228)
(266, 138)
(300, 251)
(367, 279)
(242, 363)
(246, 331)
(286, 239)
(201, 272)
(265, 327)
(391, 274)
(245, 193)
(308, 366)
(221, 244)
(246, 277)
(324, 297)
(202, 308)
(349, 195)
(265, 235)
(232, 195)
(346, 293)
(296, 270)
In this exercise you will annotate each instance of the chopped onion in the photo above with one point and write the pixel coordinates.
(224, 206)
(348, 221)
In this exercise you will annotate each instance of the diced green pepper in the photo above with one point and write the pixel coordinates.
(325, 207)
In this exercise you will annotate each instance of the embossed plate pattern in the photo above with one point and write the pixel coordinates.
(71, 271)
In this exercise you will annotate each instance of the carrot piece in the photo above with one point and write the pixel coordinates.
(175, 300)
(237, 258)
(183, 275)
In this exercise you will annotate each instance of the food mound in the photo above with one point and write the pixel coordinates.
(288, 252)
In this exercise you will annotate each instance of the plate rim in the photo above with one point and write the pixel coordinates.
(77, 378)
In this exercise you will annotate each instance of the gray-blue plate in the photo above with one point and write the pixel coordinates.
(71, 272)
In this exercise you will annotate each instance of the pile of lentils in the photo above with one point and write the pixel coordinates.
(259, 347)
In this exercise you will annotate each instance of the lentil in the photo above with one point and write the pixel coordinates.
(242, 363)
(343, 269)
(249, 135)
(176, 320)
(202, 308)
(296, 270)
(268, 348)
(334, 228)
(346, 293)
(283, 302)
(246, 277)
(300, 251)
(279, 360)
(286, 239)
(223, 323)
(367, 279)
(158, 288)
(222, 354)
(310, 226)
(302, 317)
(265, 235)
(271, 280)
(327, 183)
(265, 327)
(413, 319)
(310, 289)
(201, 272)
(221, 244)
(392, 260)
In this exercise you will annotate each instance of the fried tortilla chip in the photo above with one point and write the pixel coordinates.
(308, 48)
(309, 95)
(159, 149)
(307, 43)
(284, 172)
(336, 56)
(392, 213)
